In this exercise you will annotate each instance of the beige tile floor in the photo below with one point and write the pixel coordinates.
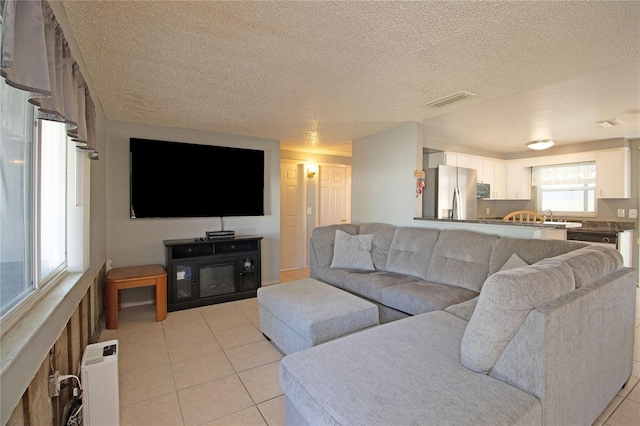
(212, 366)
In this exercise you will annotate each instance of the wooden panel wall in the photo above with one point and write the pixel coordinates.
(36, 406)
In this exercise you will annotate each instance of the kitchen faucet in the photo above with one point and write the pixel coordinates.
(550, 214)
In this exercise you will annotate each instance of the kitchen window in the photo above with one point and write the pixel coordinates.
(566, 188)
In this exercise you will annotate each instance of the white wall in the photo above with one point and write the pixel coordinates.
(139, 241)
(383, 185)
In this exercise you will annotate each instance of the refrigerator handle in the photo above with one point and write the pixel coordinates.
(454, 209)
(457, 209)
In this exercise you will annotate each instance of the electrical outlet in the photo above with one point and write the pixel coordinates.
(620, 212)
(488, 210)
(633, 213)
(54, 386)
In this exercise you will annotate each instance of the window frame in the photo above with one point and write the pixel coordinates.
(77, 232)
(585, 187)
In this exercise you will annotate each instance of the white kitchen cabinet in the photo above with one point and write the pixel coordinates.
(518, 181)
(450, 159)
(613, 173)
(477, 163)
(464, 161)
(499, 190)
(494, 172)
(458, 160)
(489, 170)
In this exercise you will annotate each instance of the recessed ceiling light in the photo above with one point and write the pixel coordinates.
(451, 98)
(540, 145)
(609, 123)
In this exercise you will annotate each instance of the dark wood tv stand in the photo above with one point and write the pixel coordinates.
(207, 271)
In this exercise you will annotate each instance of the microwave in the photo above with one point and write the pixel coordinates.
(483, 190)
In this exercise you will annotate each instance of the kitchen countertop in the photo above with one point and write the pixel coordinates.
(492, 222)
(587, 226)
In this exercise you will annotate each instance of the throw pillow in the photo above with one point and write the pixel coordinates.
(514, 262)
(505, 301)
(352, 251)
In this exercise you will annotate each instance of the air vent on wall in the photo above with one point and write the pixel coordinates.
(609, 123)
(451, 98)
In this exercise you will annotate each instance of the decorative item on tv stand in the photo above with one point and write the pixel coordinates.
(221, 232)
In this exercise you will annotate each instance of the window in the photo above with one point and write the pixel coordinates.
(53, 193)
(34, 206)
(566, 188)
(16, 206)
(44, 194)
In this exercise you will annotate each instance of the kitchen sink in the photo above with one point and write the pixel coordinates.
(565, 224)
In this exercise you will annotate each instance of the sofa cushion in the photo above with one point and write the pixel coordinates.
(371, 284)
(382, 237)
(591, 263)
(505, 301)
(465, 309)
(412, 376)
(461, 258)
(422, 296)
(411, 251)
(333, 276)
(352, 251)
(529, 250)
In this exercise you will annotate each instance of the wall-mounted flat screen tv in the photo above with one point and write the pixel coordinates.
(173, 179)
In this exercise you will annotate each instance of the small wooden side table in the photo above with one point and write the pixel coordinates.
(130, 277)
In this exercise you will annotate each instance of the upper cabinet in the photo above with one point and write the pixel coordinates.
(519, 181)
(495, 174)
(511, 180)
(613, 173)
(489, 170)
(450, 159)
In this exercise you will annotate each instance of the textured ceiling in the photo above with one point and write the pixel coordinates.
(317, 75)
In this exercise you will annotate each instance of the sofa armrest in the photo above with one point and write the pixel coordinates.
(588, 330)
(313, 261)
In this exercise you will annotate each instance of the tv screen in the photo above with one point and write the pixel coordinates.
(172, 179)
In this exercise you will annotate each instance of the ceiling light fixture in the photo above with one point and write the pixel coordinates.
(540, 145)
(609, 123)
(451, 98)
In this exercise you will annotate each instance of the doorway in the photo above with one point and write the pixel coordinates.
(334, 205)
(308, 202)
(291, 216)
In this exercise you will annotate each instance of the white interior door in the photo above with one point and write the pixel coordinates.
(291, 219)
(334, 195)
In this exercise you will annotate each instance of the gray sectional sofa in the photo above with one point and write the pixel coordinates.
(479, 329)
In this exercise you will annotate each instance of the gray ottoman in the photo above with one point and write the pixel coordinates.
(301, 314)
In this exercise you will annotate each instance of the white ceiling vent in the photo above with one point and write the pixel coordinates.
(609, 123)
(451, 98)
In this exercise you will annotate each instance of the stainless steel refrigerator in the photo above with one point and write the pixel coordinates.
(450, 193)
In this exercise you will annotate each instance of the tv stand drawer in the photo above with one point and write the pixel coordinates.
(192, 250)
